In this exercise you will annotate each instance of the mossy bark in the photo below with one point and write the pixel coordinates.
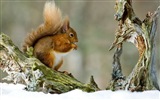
(28, 70)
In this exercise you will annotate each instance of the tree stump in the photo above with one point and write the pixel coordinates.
(142, 35)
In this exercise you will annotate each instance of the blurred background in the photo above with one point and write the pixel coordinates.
(94, 23)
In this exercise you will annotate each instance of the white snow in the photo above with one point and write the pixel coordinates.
(17, 92)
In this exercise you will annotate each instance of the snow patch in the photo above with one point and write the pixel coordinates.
(17, 92)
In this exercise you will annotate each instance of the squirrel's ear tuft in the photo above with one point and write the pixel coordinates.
(66, 25)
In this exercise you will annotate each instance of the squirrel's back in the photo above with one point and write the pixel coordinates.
(52, 23)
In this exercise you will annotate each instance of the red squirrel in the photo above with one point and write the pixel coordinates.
(53, 39)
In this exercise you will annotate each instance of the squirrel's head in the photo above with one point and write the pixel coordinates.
(70, 33)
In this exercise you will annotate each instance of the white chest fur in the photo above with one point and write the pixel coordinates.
(58, 57)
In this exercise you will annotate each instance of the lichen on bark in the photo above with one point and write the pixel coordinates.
(141, 34)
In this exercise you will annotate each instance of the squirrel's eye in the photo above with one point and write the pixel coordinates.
(71, 34)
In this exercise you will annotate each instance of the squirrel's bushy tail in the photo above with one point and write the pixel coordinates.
(52, 23)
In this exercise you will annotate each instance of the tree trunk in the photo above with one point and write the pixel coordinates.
(141, 34)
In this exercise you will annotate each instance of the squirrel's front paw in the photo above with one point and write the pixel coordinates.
(74, 46)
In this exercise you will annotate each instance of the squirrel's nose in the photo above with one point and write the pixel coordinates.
(76, 40)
